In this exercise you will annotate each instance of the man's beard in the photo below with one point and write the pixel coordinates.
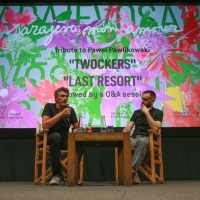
(148, 105)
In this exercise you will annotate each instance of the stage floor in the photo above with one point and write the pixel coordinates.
(184, 190)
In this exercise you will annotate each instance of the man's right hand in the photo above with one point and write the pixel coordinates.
(66, 111)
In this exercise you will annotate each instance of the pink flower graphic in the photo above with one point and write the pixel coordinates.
(11, 93)
(186, 94)
(16, 116)
(2, 27)
(2, 43)
(111, 11)
(178, 119)
(190, 116)
(44, 92)
(18, 18)
(13, 114)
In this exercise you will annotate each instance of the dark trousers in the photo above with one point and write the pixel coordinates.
(57, 144)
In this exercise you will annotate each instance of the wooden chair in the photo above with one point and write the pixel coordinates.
(42, 172)
(152, 165)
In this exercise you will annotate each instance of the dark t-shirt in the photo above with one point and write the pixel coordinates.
(141, 123)
(63, 125)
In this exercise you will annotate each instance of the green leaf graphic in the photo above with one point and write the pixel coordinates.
(64, 16)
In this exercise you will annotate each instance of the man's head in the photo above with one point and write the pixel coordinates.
(148, 98)
(61, 96)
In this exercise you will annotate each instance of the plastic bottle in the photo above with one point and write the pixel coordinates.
(89, 128)
(103, 124)
(80, 124)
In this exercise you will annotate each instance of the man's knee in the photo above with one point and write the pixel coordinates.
(133, 142)
(144, 141)
(54, 138)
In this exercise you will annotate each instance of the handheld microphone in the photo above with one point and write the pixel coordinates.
(67, 106)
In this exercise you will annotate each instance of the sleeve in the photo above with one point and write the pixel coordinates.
(133, 117)
(159, 116)
(73, 117)
(47, 110)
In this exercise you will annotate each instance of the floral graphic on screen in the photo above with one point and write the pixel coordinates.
(12, 93)
(39, 46)
(14, 114)
(44, 92)
(18, 43)
(190, 100)
(21, 19)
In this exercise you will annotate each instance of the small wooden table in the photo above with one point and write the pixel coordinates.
(118, 139)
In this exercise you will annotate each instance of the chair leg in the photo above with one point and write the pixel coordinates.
(81, 170)
(161, 162)
(153, 176)
(44, 162)
(44, 167)
(36, 164)
(152, 156)
(116, 166)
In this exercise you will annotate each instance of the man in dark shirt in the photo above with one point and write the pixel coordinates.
(143, 119)
(57, 117)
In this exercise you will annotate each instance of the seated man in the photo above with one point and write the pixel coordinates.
(57, 117)
(145, 118)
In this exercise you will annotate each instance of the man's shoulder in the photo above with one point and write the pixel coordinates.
(157, 110)
(153, 110)
(137, 111)
(50, 104)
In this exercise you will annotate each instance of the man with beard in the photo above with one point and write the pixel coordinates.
(143, 119)
(58, 117)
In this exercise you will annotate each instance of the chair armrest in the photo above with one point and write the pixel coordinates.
(154, 132)
(42, 132)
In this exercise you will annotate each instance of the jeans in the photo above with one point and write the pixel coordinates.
(140, 144)
(57, 144)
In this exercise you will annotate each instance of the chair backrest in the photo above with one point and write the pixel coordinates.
(38, 127)
(131, 132)
(70, 129)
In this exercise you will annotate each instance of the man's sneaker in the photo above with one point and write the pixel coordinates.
(55, 180)
(80, 182)
(136, 179)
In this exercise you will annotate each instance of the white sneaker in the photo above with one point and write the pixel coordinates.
(55, 180)
(136, 179)
(80, 182)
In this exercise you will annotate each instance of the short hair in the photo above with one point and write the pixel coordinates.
(61, 89)
(151, 92)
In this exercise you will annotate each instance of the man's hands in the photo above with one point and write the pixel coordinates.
(66, 111)
(128, 127)
(144, 109)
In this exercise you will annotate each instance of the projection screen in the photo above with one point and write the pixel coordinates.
(106, 55)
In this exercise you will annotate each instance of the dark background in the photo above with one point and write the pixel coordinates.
(180, 146)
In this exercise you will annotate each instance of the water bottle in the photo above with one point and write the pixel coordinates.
(80, 124)
(103, 125)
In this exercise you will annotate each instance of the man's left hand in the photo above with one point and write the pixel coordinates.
(144, 109)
